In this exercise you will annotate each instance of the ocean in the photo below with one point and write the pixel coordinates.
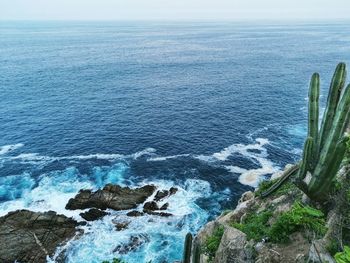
(210, 108)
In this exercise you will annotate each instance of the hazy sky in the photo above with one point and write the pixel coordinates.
(174, 9)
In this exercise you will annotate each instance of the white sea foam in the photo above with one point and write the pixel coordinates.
(9, 148)
(164, 158)
(35, 157)
(255, 152)
(163, 235)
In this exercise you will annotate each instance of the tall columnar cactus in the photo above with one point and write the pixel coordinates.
(187, 249)
(324, 149)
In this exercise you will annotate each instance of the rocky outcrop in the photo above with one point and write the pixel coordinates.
(31, 237)
(93, 214)
(234, 246)
(111, 196)
(134, 243)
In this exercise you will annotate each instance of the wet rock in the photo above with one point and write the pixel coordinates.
(30, 237)
(134, 243)
(163, 214)
(151, 206)
(134, 213)
(119, 226)
(173, 190)
(111, 196)
(160, 195)
(164, 207)
(93, 214)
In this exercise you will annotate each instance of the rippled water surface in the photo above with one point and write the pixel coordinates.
(211, 108)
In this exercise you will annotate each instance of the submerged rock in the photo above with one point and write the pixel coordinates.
(30, 237)
(93, 214)
(134, 213)
(134, 243)
(119, 226)
(111, 196)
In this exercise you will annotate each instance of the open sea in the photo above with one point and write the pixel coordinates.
(211, 108)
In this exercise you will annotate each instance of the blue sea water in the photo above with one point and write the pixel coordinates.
(211, 108)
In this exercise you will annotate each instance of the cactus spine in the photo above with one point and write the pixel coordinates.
(187, 249)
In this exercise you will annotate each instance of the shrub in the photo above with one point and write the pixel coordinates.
(212, 243)
(299, 217)
(255, 225)
(343, 257)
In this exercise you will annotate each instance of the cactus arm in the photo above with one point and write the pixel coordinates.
(196, 254)
(314, 94)
(319, 186)
(336, 87)
(307, 162)
(187, 249)
(286, 174)
(335, 134)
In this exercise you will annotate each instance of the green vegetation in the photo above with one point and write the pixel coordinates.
(343, 257)
(286, 188)
(187, 248)
(213, 242)
(257, 227)
(299, 217)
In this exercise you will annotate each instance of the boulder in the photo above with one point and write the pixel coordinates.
(30, 237)
(134, 213)
(133, 244)
(151, 206)
(111, 196)
(232, 247)
(160, 195)
(119, 226)
(93, 214)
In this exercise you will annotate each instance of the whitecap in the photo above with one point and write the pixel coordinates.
(9, 148)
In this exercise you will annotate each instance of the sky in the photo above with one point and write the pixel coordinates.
(174, 9)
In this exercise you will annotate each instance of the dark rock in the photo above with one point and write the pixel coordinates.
(173, 190)
(134, 213)
(160, 195)
(164, 207)
(121, 225)
(93, 214)
(163, 214)
(30, 237)
(134, 243)
(150, 206)
(111, 196)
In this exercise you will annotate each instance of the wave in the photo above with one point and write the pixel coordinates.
(9, 148)
(35, 157)
(255, 152)
(163, 236)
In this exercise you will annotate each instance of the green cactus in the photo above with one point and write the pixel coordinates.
(196, 253)
(324, 148)
(187, 249)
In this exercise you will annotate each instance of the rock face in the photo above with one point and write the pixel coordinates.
(93, 214)
(231, 247)
(111, 196)
(29, 237)
(234, 246)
